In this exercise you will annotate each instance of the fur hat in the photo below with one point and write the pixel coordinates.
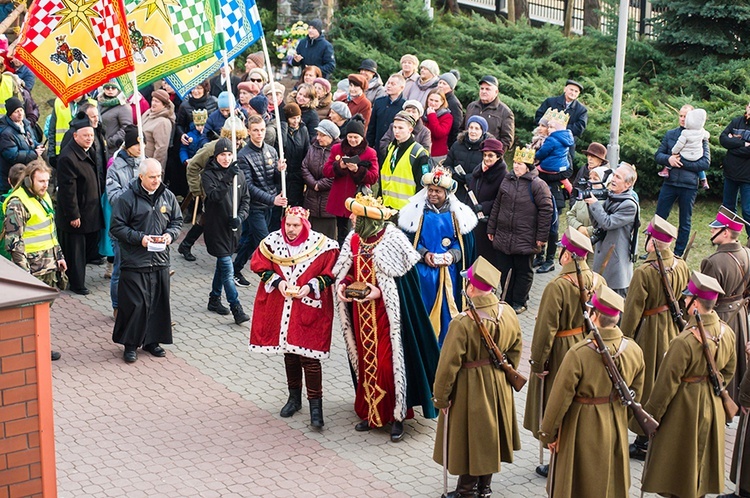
(131, 136)
(162, 96)
(341, 109)
(431, 66)
(259, 103)
(292, 110)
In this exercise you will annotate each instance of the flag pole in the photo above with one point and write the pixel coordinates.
(137, 102)
(279, 136)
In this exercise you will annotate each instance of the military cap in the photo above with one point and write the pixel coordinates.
(576, 242)
(608, 302)
(661, 229)
(726, 218)
(482, 275)
(702, 286)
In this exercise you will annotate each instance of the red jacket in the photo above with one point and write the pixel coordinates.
(359, 105)
(439, 123)
(345, 182)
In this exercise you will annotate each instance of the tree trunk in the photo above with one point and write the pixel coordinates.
(522, 8)
(568, 18)
(592, 14)
(452, 7)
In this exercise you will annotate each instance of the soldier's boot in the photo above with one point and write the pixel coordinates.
(316, 413)
(639, 448)
(465, 487)
(293, 404)
(483, 486)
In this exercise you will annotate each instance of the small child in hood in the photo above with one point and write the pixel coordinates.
(690, 143)
(553, 155)
(196, 138)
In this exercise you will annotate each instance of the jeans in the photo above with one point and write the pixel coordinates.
(731, 189)
(224, 277)
(685, 198)
(254, 229)
(115, 281)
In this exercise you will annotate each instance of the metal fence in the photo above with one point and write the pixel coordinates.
(553, 12)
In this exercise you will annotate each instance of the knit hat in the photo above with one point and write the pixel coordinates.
(113, 83)
(451, 78)
(493, 145)
(200, 116)
(259, 103)
(80, 121)
(341, 109)
(415, 104)
(329, 128)
(161, 95)
(317, 24)
(292, 110)
(324, 83)
(409, 57)
(258, 73)
(245, 86)
(431, 66)
(222, 145)
(405, 116)
(131, 136)
(369, 65)
(274, 87)
(224, 100)
(356, 125)
(358, 80)
(478, 120)
(12, 104)
(256, 58)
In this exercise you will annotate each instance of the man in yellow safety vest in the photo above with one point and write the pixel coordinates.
(405, 163)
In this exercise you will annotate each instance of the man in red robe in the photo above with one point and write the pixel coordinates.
(293, 312)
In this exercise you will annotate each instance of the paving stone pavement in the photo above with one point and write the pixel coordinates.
(204, 422)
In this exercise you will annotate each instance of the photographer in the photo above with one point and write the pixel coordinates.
(616, 220)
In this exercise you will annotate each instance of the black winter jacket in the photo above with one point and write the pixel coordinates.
(78, 190)
(184, 117)
(485, 185)
(217, 182)
(457, 110)
(737, 159)
(469, 155)
(135, 214)
(260, 166)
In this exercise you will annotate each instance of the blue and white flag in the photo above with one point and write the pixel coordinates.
(241, 25)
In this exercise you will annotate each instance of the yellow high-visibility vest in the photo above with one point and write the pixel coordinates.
(39, 233)
(6, 90)
(63, 117)
(397, 185)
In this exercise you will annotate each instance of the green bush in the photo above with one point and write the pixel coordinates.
(533, 63)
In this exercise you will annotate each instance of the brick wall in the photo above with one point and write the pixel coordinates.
(20, 453)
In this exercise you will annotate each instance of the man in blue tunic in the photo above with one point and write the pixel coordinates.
(440, 227)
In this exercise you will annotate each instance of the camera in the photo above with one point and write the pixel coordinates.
(598, 235)
(586, 189)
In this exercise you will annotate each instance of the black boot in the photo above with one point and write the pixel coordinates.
(547, 266)
(239, 314)
(215, 305)
(185, 251)
(464, 487)
(483, 486)
(538, 259)
(542, 470)
(293, 404)
(397, 431)
(639, 448)
(316, 412)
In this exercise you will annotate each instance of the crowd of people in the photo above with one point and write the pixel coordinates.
(393, 206)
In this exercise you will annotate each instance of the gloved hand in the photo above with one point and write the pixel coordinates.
(477, 208)
(234, 168)
(235, 223)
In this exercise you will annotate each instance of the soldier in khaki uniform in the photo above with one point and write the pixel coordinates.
(686, 456)
(647, 318)
(482, 427)
(730, 265)
(559, 325)
(742, 458)
(585, 423)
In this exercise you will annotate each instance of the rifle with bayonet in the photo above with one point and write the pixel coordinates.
(674, 306)
(730, 407)
(497, 357)
(644, 419)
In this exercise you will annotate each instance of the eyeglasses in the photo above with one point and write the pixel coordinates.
(256, 81)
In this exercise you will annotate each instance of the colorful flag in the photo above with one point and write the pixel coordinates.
(167, 36)
(240, 20)
(74, 46)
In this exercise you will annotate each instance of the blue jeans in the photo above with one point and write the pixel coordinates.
(224, 277)
(731, 189)
(254, 229)
(115, 281)
(685, 198)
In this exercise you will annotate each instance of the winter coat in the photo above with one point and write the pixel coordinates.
(485, 185)
(119, 175)
(616, 216)
(737, 160)
(115, 119)
(346, 182)
(439, 123)
(375, 89)
(137, 214)
(197, 141)
(501, 121)
(482, 426)
(197, 164)
(521, 215)
(324, 106)
(687, 175)
(418, 90)
(184, 117)
(421, 135)
(468, 154)
(260, 166)
(310, 120)
(457, 111)
(15, 147)
(383, 111)
(316, 52)
(578, 217)
(217, 182)
(318, 186)
(358, 105)
(553, 154)
(578, 113)
(218, 86)
(78, 191)
(157, 133)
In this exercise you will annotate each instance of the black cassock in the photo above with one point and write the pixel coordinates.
(143, 313)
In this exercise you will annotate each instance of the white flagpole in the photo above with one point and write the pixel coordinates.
(225, 61)
(279, 136)
(137, 101)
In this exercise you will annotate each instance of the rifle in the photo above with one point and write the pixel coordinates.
(644, 419)
(674, 307)
(497, 357)
(730, 407)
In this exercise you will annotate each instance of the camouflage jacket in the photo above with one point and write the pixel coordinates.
(38, 263)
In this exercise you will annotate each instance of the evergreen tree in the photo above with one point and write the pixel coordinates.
(695, 29)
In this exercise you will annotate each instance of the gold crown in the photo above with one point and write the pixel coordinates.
(369, 207)
(441, 177)
(298, 211)
(554, 114)
(200, 116)
(524, 155)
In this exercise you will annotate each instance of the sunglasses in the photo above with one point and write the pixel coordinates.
(256, 81)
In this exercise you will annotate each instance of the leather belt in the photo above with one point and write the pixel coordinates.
(656, 311)
(585, 400)
(569, 332)
(694, 380)
(476, 364)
